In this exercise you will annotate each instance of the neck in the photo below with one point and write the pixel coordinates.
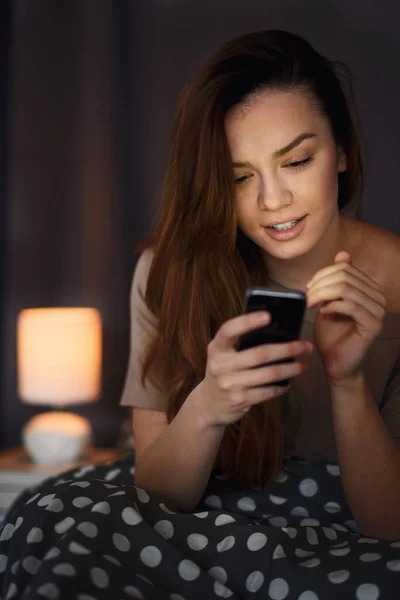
(296, 272)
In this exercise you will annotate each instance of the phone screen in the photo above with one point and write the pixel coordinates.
(287, 311)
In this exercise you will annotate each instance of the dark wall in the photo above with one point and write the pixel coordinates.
(94, 86)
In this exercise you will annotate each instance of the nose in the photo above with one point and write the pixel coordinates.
(273, 194)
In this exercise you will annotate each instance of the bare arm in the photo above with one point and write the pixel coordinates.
(175, 460)
(369, 460)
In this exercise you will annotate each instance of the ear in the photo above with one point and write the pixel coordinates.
(341, 160)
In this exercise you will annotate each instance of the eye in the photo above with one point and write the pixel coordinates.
(242, 179)
(300, 163)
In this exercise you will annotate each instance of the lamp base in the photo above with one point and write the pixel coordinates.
(56, 437)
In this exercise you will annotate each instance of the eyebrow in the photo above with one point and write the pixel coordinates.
(278, 153)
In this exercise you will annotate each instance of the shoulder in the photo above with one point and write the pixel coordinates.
(378, 255)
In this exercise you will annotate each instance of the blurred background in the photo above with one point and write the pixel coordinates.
(88, 92)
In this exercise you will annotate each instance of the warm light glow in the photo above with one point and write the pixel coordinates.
(59, 352)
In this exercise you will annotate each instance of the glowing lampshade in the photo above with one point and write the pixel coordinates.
(59, 355)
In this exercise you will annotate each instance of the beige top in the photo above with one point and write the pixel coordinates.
(315, 438)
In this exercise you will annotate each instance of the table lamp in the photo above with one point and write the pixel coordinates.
(59, 354)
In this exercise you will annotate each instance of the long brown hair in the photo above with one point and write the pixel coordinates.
(202, 261)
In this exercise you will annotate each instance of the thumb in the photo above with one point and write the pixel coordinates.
(343, 256)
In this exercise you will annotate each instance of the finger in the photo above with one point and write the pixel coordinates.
(358, 312)
(239, 380)
(248, 398)
(230, 331)
(268, 353)
(343, 255)
(349, 279)
(344, 291)
(343, 267)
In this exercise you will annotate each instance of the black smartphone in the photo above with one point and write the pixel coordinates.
(287, 310)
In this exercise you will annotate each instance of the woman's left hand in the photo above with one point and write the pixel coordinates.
(349, 320)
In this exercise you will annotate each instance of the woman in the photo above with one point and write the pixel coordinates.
(264, 161)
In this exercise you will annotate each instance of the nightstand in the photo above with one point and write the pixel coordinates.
(17, 471)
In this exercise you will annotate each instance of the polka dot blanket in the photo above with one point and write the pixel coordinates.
(89, 534)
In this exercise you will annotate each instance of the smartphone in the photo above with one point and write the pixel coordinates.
(287, 310)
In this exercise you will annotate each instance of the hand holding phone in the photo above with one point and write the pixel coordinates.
(287, 311)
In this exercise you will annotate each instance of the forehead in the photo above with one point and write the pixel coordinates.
(272, 119)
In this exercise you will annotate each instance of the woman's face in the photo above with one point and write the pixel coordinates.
(285, 167)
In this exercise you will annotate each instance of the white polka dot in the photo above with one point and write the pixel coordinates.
(365, 540)
(330, 533)
(393, 544)
(221, 590)
(370, 557)
(299, 511)
(81, 484)
(145, 579)
(151, 556)
(102, 507)
(45, 501)
(7, 532)
(34, 536)
(254, 581)
(333, 469)
(112, 474)
(82, 501)
(18, 523)
(52, 553)
(188, 570)
(99, 577)
(219, 574)
(120, 493)
(133, 592)
(393, 565)
(197, 541)
(313, 562)
(340, 552)
(112, 559)
(64, 525)
(64, 569)
(201, 515)
(90, 530)
(142, 495)
(291, 531)
(278, 521)
(12, 590)
(85, 597)
(308, 487)
(83, 470)
(165, 529)
(256, 541)
(339, 576)
(213, 501)
(332, 507)
(176, 597)
(367, 591)
(246, 504)
(224, 520)
(340, 545)
(55, 506)
(278, 552)
(352, 525)
(308, 595)
(31, 564)
(282, 477)
(165, 508)
(121, 542)
(303, 553)
(309, 522)
(278, 589)
(3, 562)
(277, 499)
(226, 544)
(32, 499)
(312, 537)
(76, 548)
(339, 527)
(130, 516)
(49, 590)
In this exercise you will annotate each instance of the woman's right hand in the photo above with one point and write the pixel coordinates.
(232, 384)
